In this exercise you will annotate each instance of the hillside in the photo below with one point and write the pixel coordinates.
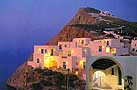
(86, 23)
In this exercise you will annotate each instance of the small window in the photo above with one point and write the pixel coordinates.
(77, 63)
(38, 61)
(69, 53)
(52, 52)
(65, 45)
(100, 49)
(133, 49)
(84, 65)
(112, 71)
(60, 47)
(79, 17)
(107, 42)
(136, 50)
(135, 44)
(82, 42)
(45, 50)
(84, 53)
(64, 65)
(42, 51)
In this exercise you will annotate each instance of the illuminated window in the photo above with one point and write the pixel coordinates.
(84, 52)
(113, 51)
(108, 49)
(69, 53)
(42, 51)
(100, 49)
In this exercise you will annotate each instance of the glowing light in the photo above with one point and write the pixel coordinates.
(66, 63)
(49, 61)
(108, 49)
(39, 49)
(113, 51)
(85, 50)
(54, 49)
(76, 72)
(81, 62)
(103, 46)
(72, 51)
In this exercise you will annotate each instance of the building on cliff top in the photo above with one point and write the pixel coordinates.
(73, 55)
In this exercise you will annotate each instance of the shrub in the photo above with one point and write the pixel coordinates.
(39, 70)
(60, 79)
(36, 86)
(46, 83)
(72, 78)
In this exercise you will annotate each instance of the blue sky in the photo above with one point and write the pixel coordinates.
(24, 23)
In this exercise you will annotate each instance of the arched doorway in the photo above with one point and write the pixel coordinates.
(105, 74)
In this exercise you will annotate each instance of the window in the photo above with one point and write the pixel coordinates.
(135, 44)
(82, 42)
(119, 77)
(69, 53)
(60, 47)
(64, 65)
(77, 63)
(84, 52)
(100, 49)
(42, 51)
(65, 45)
(76, 44)
(112, 71)
(38, 61)
(51, 52)
(136, 50)
(45, 50)
(113, 50)
(133, 49)
(107, 42)
(108, 49)
(84, 65)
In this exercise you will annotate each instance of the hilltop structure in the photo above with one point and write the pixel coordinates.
(73, 55)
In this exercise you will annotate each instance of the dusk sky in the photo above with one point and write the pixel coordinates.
(24, 23)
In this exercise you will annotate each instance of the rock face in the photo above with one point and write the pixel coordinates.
(18, 80)
(69, 32)
(85, 17)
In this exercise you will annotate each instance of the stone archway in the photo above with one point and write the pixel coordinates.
(113, 78)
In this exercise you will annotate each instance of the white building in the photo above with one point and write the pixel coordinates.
(72, 55)
(134, 46)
